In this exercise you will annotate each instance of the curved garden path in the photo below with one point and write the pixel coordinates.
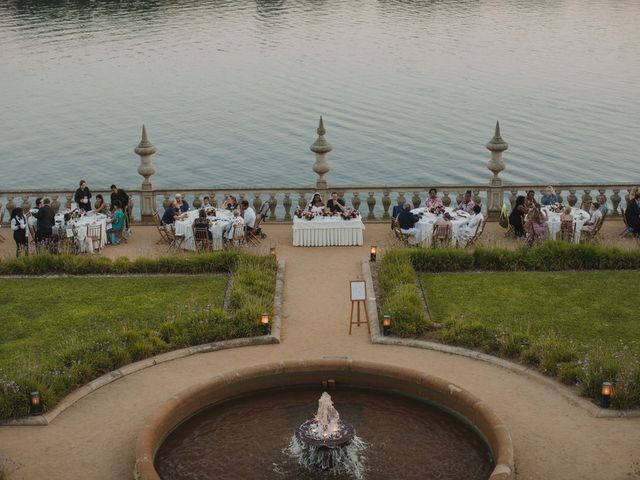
(553, 438)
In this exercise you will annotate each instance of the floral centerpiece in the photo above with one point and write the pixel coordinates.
(350, 213)
(304, 214)
(557, 207)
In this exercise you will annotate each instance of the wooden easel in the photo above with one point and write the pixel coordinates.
(358, 295)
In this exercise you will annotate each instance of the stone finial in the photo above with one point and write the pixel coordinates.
(497, 144)
(145, 149)
(321, 145)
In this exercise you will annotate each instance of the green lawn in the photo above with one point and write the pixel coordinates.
(41, 317)
(58, 333)
(588, 308)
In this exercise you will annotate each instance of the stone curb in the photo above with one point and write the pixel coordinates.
(563, 390)
(131, 368)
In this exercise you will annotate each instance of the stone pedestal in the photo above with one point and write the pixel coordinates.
(145, 150)
(321, 147)
(495, 192)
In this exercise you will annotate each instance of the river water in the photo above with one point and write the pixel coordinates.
(231, 90)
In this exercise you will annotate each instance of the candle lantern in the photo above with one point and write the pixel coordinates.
(264, 322)
(35, 404)
(386, 325)
(605, 395)
(373, 253)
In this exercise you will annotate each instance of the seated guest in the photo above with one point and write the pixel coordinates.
(248, 214)
(632, 214)
(530, 201)
(442, 228)
(566, 215)
(20, 231)
(468, 230)
(433, 200)
(316, 205)
(516, 217)
(120, 194)
(407, 221)
(203, 222)
(206, 203)
(83, 197)
(181, 204)
(602, 201)
(467, 202)
(117, 224)
(100, 206)
(235, 225)
(550, 197)
(170, 214)
(596, 218)
(66, 222)
(536, 227)
(230, 202)
(335, 204)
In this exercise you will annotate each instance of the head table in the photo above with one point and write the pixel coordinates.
(427, 221)
(327, 231)
(219, 222)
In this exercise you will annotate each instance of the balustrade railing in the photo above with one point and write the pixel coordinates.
(374, 202)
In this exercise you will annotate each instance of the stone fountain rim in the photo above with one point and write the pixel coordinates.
(448, 396)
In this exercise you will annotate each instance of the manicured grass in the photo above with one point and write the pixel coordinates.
(59, 333)
(42, 317)
(587, 308)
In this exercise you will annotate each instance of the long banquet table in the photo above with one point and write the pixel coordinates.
(327, 231)
(218, 223)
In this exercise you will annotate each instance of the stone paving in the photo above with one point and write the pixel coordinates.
(94, 439)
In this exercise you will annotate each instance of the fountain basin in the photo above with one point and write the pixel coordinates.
(304, 374)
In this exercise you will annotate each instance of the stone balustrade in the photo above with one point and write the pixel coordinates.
(374, 202)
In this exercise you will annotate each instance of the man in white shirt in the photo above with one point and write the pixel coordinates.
(249, 214)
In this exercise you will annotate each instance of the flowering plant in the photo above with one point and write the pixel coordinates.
(305, 214)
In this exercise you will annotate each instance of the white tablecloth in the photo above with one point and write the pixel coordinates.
(327, 231)
(427, 221)
(580, 217)
(85, 244)
(218, 224)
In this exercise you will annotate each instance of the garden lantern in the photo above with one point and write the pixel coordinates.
(35, 404)
(605, 395)
(386, 325)
(264, 322)
(374, 253)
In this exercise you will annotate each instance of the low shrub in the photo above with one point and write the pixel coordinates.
(548, 256)
(44, 263)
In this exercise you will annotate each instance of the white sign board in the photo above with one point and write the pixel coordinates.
(358, 291)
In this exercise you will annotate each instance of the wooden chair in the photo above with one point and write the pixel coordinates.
(174, 241)
(202, 240)
(402, 238)
(441, 236)
(94, 234)
(162, 231)
(592, 235)
(480, 228)
(253, 237)
(567, 232)
(67, 244)
(239, 235)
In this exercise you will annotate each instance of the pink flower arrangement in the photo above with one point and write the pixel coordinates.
(350, 213)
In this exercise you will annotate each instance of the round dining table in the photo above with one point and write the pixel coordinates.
(425, 225)
(219, 223)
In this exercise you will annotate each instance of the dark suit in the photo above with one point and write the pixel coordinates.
(632, 215)
(46, 220)
(334, 207)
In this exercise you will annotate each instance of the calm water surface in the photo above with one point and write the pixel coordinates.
(231, 90)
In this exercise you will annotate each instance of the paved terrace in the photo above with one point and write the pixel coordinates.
(553, 437)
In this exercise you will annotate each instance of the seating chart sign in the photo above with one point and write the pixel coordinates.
(358, 292)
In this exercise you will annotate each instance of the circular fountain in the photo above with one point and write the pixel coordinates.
(254, 423)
